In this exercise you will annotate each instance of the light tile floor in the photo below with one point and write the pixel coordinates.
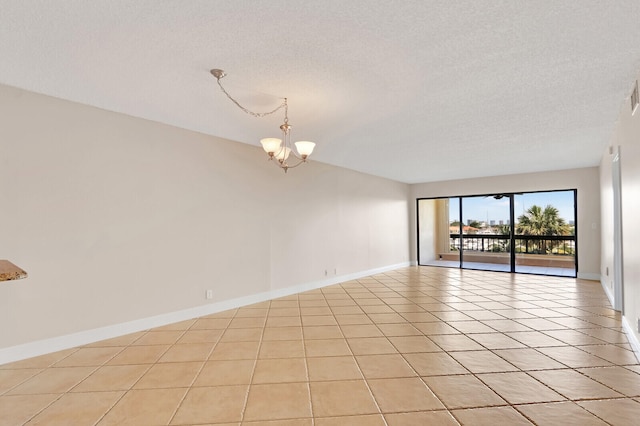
(414, 346)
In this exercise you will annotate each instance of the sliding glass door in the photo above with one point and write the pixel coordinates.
(531, 232)
(486, 233)
(545, 233)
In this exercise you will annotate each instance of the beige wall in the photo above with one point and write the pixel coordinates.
(117, 218)
(626, 139)
(585, 180)
(428, 230)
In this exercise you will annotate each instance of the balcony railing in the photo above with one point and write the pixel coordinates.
(561, 245)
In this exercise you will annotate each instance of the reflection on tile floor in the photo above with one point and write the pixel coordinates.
(521, 269)
(413, 346)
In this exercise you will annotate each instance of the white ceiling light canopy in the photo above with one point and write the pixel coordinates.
(278, 149)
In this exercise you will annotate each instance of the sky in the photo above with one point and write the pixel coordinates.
(487, 208)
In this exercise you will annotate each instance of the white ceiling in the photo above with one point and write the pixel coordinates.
(411, 90)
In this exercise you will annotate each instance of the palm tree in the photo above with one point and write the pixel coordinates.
(538, 221)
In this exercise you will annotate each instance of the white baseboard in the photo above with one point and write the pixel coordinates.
(607, 291)
(588, 276)
(633, 337)
(58, 343)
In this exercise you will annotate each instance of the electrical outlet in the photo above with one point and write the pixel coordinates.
(326, 272)
(209, 294)
(638, 325)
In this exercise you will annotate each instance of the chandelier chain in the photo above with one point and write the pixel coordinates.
(254, 114)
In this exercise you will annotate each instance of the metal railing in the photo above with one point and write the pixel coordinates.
(561, 245)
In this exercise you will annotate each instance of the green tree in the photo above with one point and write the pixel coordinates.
(540, 222)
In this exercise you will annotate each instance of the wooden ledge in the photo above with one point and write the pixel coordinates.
(9, 271)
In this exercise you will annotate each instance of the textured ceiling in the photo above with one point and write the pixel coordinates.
(414, 91)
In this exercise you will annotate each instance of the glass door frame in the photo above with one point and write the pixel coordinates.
(512, 226)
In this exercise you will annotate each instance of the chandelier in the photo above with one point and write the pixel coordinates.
(277, 149)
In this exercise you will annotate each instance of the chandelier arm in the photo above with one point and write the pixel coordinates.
(294, 166)
(255, 114)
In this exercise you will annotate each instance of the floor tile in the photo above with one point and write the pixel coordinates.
(353, 319)
(360, 330)
(77, 408)
(333, 368)
(200, 336)
(85, 357)
(464, 391)
(187, 352)
(470, 327)
(144, 406)
(496, 341)
(112, 377)
(53, 380)
(564, 413)
(341, 398)
(574, 357)
(456, 342)
(139, 355)
(440, 418)
(18, 409)
(371, 346)
(225, 372)
(211, 324)
(573, 385)
(159, 338)
(366, 420)
(617, 378)
(283, 321)
(168, 375)
(519, 388)
(242, 335)
(283, 370)
(211, 405)
(327, 347)
(482, 361)
(413, 344)
(235, 350)
(322, 332)
(491, 416)
(528, 359)
(435, 364)
(611, 353)
(282, 333)
(535, 339)
(42, 361)
(435, 328)
(614, 411)
(384, 366)
(310, 320)
(406, 394)
(278, 401)
(281, 349)
(11, 378)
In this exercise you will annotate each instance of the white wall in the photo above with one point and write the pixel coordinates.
(585, 180)
(626, 138)
(117, 219)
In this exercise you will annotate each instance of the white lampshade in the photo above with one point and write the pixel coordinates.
(305, 148)
(283, 154)
(271, 145)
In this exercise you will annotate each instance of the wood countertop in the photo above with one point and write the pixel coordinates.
(9, 271)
